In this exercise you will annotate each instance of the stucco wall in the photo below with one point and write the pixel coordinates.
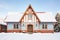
(10, 26)
(24, 26)
(36, 26)
(50, 26)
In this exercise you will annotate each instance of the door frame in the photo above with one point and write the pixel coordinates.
(27, 26)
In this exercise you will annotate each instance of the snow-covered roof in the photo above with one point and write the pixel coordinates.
(2, 21)
(43, 16)
(13, 17)
(46, 17)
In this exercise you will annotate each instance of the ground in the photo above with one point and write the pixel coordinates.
(27, 36)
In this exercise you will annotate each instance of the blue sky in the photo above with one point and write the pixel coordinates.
(21, 5)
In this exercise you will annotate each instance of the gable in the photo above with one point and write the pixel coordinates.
(29, 12)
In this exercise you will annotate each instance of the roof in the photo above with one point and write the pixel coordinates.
(13, 17)
(43, 16)
(46, 17)
(2, 21)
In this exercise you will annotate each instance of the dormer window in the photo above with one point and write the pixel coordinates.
(29, 16)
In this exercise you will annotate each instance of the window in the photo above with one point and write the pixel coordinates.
(44, 26)
(36, 24)
(15, 26)
(29, 16)
(23, 25)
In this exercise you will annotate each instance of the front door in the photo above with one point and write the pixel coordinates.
(30, 28)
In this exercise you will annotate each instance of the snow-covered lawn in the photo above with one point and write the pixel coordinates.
(26, 36)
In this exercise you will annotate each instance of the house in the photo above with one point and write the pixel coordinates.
(3, 25)
(30, 21)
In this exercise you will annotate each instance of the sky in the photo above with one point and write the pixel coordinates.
(21, 5)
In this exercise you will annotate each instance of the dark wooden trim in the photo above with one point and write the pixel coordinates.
(29, 7)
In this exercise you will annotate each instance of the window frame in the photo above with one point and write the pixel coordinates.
(29, 16)
(44, 26)
(16, 26)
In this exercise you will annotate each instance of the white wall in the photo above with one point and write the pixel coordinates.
(10, 26)
(23, 26)
(50, 26)
(36, 26)
(26, 23)
(26, 18)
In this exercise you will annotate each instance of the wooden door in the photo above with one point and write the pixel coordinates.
(30, 28)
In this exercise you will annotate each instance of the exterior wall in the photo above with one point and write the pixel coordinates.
(50, 26)
(26, 19)
(36, 26)
(10, 27)
(24, 26)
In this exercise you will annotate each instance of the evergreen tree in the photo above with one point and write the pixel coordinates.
(57, 25)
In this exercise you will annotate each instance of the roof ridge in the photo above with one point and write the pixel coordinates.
(40, 12)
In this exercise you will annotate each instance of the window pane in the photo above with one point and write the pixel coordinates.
(46, 26)
(43, 26)
(29, 16)
(15, 26)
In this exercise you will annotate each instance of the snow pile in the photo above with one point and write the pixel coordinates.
(26, 36)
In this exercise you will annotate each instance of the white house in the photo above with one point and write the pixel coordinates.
(30, 21)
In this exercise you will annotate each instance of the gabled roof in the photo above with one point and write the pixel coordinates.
(43, 17)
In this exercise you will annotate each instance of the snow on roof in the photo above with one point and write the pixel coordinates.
(2, 21)
(46, 17)
(14, 17)
(43, 16)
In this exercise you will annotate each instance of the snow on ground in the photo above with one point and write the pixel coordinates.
(27, 36)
